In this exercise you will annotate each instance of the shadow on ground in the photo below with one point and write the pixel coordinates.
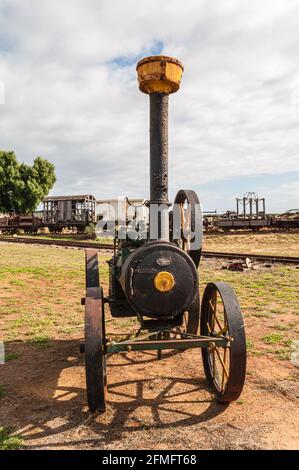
(46, 396)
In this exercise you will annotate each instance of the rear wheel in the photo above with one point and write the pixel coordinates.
(188, 234)
(225, 367)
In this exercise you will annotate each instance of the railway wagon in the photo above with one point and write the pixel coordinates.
(72, 212)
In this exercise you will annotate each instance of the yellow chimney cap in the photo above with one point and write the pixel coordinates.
(159, 74)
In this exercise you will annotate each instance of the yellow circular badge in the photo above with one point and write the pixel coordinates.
(164, 281)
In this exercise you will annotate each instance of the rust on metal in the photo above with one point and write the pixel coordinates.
(159, 74)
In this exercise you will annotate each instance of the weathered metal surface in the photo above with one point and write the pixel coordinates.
(159, 164)
(221, 315)
(69, 211)
(192, 316)
(202, 342)
(94, 346)
(157, 279)
(92, 269)
(159, 148)
(194, 224)
(138, 280)
(159, 74)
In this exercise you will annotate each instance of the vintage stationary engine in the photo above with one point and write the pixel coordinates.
(154, 274)
(154, 277)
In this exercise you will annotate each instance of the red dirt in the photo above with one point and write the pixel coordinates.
(151, 404)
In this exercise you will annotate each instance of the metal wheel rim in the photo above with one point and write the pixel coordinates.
(95, 358)
(229, 384)
(189, 199)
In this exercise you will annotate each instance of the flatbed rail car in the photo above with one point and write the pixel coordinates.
(11, 223)
(71, 212)
(280, 222)
(287, 220)
(251, 215)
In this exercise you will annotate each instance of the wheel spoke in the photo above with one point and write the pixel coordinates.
(223, 329)
(214, 363)
(224, 360)
(182, 220)
(222, 363)
(213, 306)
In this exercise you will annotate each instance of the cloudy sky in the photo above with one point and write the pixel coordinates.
(68, 92)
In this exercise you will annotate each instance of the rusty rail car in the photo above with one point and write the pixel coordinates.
(74, 213)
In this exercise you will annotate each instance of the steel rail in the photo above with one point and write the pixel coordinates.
(64, 243)
(252, 256)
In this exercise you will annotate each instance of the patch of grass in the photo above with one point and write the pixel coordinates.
(33, 325)
(11, 356)
(249, 344)
(283, 354)
(40, 341)
(262, 242)
(293, 377)
(17, 282)
(9, 442)
(258, 353)
(261, 314)
(68, 330)
(2, 392)
(272, 338)
(281, 327)
(15, 270)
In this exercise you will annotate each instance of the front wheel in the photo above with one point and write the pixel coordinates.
(225, 367)
(95, 358)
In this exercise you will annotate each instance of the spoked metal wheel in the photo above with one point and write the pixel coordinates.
(189, 235)
(95, 359)
(225, 367)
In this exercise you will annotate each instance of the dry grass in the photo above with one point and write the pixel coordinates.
(41, 288)
(277, 243)
(42, 320)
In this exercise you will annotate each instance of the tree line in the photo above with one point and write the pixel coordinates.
(23, 187)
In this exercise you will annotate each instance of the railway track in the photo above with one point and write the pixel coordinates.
(65, 243)
(252, 256)
(108, 246)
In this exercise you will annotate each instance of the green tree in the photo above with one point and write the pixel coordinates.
(23, 187)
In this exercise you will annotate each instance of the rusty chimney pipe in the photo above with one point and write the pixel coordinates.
(159, 76)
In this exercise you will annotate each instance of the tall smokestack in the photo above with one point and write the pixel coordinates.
(159, 76)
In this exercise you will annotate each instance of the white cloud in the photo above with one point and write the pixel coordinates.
(68, 99)
(2, 93)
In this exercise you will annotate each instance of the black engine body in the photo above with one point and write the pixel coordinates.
(138, 280)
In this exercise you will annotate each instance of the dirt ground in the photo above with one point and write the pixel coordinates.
(151, 404)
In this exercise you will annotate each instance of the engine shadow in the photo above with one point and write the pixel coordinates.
(46, 398)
